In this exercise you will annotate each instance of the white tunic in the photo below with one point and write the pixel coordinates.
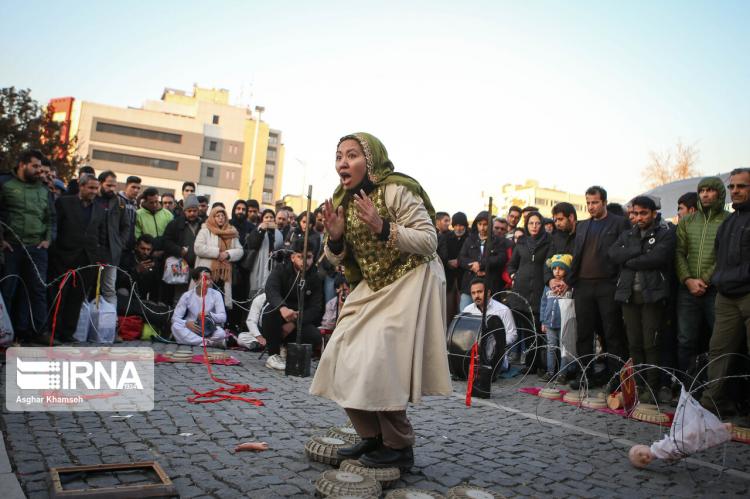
(189, 309)
(388, 347)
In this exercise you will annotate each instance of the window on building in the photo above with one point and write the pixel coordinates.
(267, 197)
(209, 171)
(132, 159)
(234, 149)
(268, 182)
(270, 168)
(142, 133)
(212, 145)
(271, 154)
(273, 140)
(216, 119)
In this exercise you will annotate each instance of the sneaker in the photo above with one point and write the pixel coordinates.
(282, 352)
(645, 396)
(217, 343)
(43, 339)
(546, 377)
(664, 395)
(276, 362)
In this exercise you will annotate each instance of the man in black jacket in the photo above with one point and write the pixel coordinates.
(593, 277)
(732, 280)
(116, 231)
(280, 317)
(80, 233)
(562, 242)
(449, 246)
(645, 255)
(140, 275)
(179, 241)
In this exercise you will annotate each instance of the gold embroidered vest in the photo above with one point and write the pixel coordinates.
(381, 262)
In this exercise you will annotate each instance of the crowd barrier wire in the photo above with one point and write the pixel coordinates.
(585, 364)
(84, 290)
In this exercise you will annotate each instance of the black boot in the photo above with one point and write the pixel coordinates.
(365, 445)
(385, 457)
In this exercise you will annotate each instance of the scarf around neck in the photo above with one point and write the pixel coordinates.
(221, 271)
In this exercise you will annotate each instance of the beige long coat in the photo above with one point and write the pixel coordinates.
(388, 347)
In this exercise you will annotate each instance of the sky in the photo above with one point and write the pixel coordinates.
(466, 96)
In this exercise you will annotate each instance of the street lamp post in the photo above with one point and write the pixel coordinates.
(259, 110)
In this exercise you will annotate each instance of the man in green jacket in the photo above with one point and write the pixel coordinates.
(152, 219)
(695, 260)
(27, 228)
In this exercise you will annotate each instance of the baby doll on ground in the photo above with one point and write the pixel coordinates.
(693, 429)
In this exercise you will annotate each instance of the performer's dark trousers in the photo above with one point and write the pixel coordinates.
(592, 295)
(394, 426)
(272, 322)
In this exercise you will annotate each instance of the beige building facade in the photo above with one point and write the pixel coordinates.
(196, 137)
(532, 194)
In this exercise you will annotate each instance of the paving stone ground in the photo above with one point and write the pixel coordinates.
(515, 444)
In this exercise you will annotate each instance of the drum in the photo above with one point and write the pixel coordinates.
(462, 333)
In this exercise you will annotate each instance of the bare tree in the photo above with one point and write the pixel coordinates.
(668, 166)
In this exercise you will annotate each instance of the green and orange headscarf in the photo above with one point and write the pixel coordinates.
(380, 171)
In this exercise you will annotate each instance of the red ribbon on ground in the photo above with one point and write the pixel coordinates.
(221, 393)
(472, 367)
(57, 305)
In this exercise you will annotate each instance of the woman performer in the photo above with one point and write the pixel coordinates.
(388, 347)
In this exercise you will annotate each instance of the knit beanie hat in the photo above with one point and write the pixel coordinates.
(459, 218)
(561, 260)
(190, 202)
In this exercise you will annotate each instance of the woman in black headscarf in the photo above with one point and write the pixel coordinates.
(526, 269)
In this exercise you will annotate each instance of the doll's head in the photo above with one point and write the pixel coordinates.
(640, 456)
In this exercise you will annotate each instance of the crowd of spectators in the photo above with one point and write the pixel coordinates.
(675, 298)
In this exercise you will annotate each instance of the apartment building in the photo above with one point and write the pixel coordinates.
(227, 150)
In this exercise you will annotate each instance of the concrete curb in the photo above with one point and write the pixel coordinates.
(8, 480)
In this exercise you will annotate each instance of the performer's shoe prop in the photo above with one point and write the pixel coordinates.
(385, 457)
(362, 447)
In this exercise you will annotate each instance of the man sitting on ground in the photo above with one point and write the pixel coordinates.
(499, 319)
(186, 320)
(280, 318)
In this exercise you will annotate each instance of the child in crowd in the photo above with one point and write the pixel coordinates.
(550, 317)
(186, 320)
(331, 314)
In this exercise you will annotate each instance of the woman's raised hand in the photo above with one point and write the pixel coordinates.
(367, 212)
(333, 220)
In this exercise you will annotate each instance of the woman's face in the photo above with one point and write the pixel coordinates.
(221, 218)
(303, 224)
(351, 164)
(268, 217)
(534, 225)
